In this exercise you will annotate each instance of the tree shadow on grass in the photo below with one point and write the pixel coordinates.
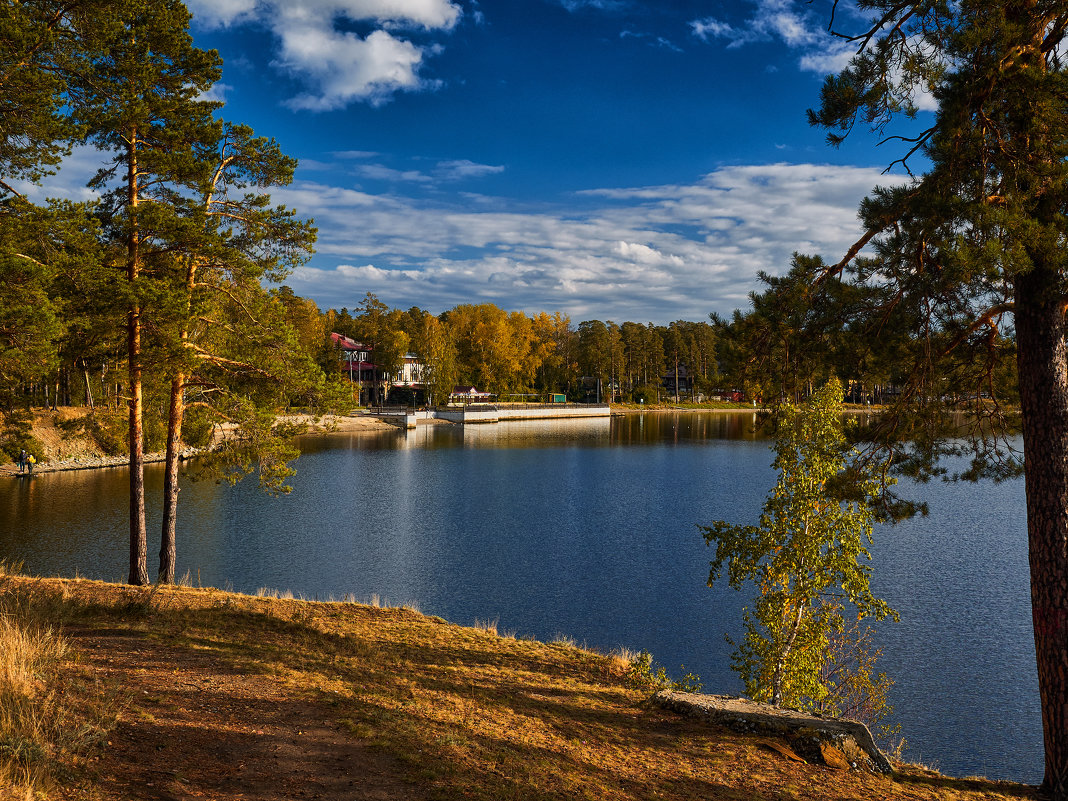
(459, 709)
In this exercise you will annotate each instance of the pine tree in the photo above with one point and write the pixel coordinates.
(227, 333)
(141, 104)
(974, 252)
(381, 330)
(41, 49)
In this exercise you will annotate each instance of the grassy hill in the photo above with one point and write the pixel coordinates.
(112, 692)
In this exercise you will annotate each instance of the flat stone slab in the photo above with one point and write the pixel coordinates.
(749, 716)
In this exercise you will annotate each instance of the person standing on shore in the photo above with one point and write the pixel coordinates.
(22, 460)
(31, 460)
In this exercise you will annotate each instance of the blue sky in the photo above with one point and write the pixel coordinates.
(609, 159)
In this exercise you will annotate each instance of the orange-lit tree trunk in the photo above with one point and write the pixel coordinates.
(167, 547)
(138, 540)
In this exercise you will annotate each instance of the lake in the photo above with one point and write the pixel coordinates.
(587, 530)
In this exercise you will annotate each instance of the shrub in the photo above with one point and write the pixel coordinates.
(648, 394)
(15, 437)
(643, 673)
(109, 429)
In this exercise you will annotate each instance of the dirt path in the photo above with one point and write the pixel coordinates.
(197, 729)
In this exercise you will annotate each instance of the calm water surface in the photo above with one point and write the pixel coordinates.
(585, 529)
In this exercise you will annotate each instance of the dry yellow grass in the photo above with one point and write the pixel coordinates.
(448, 711)
(48, 720)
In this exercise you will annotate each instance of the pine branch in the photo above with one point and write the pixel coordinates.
(224, 363)
(986, 318)
(229, 294)
(11, 189)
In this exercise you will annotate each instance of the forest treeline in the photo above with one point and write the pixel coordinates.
(794, 336)
(515, 355)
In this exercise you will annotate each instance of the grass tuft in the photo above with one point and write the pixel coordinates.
(45, 722)
(10, 568)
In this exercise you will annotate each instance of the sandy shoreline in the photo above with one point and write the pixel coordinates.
(332, 422)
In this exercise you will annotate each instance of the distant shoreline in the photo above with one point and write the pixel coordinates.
(354, 424)
(90, 461)
(630, 409)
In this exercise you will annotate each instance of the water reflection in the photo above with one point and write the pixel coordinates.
(660, 427)
(639, 428)
(70, 523)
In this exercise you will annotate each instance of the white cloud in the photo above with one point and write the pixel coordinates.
(345, 68)
(444, 171)
(424, 13)
(834, 58)
(711, 28)
(379, 172)
(600, 5)
(339, 66)
(70, 181)
(220, 13)
(217, 92)
(354, 154)
(637, 252)
(652, 40)
(778, 17)
(786, 21)
(460, 169)
(643, 253)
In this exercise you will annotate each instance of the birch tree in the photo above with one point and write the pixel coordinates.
(808, 556)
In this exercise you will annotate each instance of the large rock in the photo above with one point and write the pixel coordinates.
(805, 732)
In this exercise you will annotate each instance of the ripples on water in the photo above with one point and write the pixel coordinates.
(585, 528)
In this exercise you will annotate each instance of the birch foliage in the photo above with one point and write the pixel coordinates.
(808, 557)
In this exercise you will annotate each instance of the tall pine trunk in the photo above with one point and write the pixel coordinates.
(167, 547)
(1042, 362)
(175, 416)
(88, 386)
(138, 539)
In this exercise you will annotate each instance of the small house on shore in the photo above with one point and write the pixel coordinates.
(469, 394)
